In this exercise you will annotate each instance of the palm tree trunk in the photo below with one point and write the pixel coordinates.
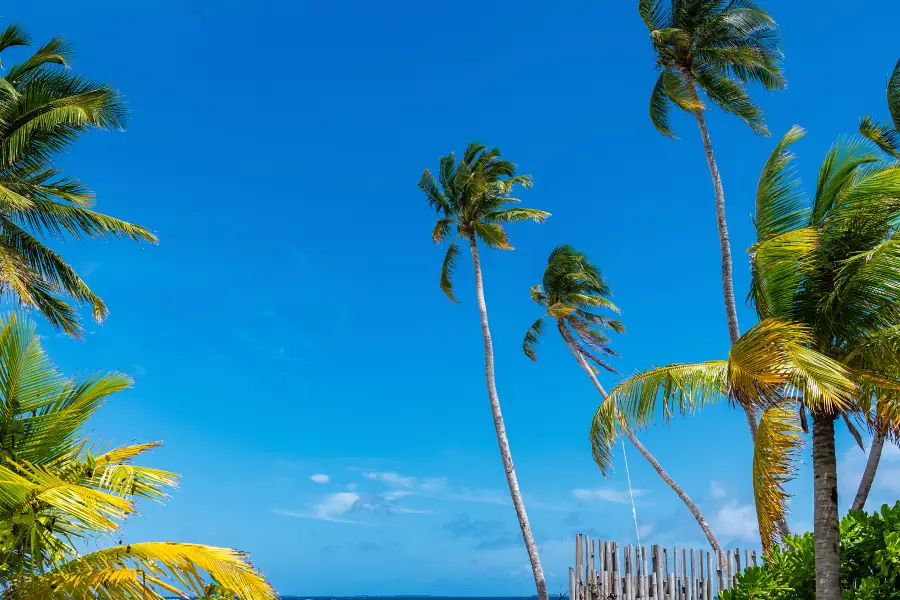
(502, 440)
(734, 331)
(865, 484)
(707, 530)
(826, 529)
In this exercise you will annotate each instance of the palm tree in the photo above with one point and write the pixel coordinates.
(471, 204)
(60, 488)
(572, 290)
(770, 365)
(718, 47)
(44, 107)
(887, 137)
(833, 263)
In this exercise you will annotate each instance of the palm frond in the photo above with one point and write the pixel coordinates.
(447, 270)
(884, 136)
(180, 565)
(781, 206)
(55, 52)
(731, 97)
(654, 14)
(893, 95)
(685, 388)
(779, 265)
(679, 93)
(14, 35)
(511, 215)
(659, 108)
(532, 336)
(492, 235)
(775, 455)
(838, 171)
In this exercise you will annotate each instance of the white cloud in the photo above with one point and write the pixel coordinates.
(391, 478)
(320, 478)
(332, 508)
(396, 495)
(717, 490)
(737, 521)
(617, 496)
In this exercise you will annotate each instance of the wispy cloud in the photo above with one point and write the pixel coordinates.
(438, 488)
(320, 478)
(717, 490)
(736, 520)
(607, 495)
(333, 508)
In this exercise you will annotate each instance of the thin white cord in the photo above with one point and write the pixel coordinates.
(631, 493)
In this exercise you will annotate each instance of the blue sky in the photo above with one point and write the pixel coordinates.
(322, 398)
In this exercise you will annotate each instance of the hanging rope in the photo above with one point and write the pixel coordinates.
(637, 530)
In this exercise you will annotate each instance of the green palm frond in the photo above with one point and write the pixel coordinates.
(730, 96)
(654, 14)
(532, 336)
(511, 215)
(659, 108)
(679, 93)
(491, 235)
(447, 270)
(838, 172)
(884, 136)
(893, 95)
(685, 388)
(14, 35)
(779, 265)
(781, 206)
(775, 456)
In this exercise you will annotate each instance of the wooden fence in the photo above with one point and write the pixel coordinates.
(608, 571)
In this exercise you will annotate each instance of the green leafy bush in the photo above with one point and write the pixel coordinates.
(870, 563)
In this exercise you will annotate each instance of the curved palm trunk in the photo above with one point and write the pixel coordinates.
(734, 331)
(707, 530)
(826, 528)
(502, 440)
(865, 484)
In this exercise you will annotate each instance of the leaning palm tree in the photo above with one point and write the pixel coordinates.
(61, 488)
(571, 292)
(471, 203)
(887, 136)
(833, 264)
(44, 107)
(717, 47)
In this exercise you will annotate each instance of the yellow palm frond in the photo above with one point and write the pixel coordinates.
(772, 360)
(174, 567)
(778, 444)
(34, 485)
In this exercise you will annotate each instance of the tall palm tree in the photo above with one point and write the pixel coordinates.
(471, 203)
(717, 47)
(833, 263)
(44, 107)
(60, 488)
(571, 291)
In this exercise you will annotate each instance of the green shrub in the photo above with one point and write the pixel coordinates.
(870, 563)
